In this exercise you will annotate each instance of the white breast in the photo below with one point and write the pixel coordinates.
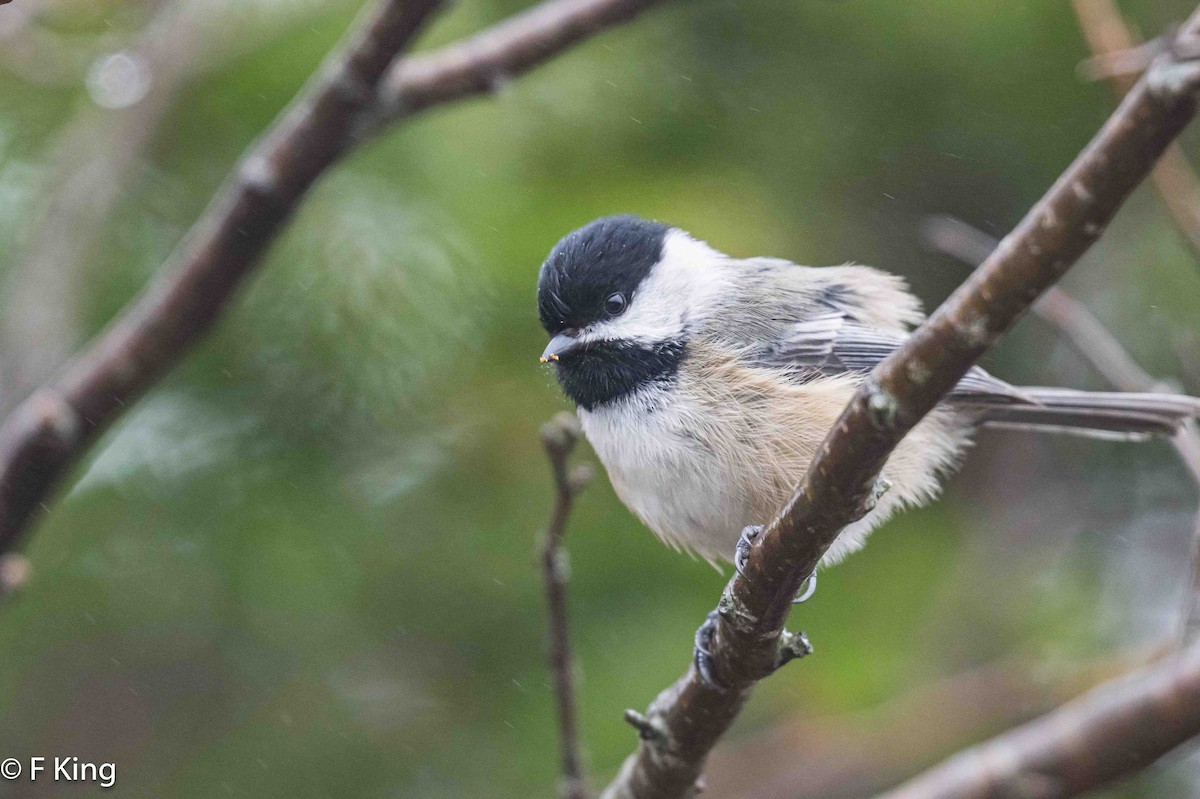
(651, 445)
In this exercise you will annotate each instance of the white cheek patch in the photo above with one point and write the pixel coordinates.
(688, 279)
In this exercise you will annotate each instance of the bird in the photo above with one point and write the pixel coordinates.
(706, 383)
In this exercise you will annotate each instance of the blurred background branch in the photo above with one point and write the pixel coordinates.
(858, 754)
(44, 435)
(485, 62)
(1112, 732)
(842, 482)
(1110, 38)
(1104, 353)
(559, 437)
(134, 89)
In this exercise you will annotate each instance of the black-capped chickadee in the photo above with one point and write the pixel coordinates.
(706, 383)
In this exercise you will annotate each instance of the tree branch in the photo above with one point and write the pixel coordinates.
(1112, 732)
(51, 429)
(842, 482)
(1107, 36)
(559, 436)
(488, 60)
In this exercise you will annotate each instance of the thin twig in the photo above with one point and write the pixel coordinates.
(842, 483)
(1173, 179)
(559, 436)
(52, 428)
(1121, 63)
(1104, 353)
(487, 61)
(1109, 733)
(1099, 348)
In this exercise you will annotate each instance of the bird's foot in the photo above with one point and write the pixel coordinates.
(741, 554)
(792, 646)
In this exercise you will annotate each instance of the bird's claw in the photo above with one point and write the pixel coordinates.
(791, 647)
(741, 553)
(702, 654)
(807, 590)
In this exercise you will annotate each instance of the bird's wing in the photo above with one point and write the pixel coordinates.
(832, 343)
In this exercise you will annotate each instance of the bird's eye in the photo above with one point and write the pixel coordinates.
(615, 304)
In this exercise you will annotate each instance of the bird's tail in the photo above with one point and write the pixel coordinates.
(1094, 414)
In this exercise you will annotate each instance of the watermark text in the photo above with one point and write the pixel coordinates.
(59, 769)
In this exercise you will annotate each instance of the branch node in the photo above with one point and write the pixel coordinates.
(497, 82)
(792, 646)
(649, 729)
(580, 476)
(560, 563)
(735, 614)
(349, 87)
(1082, 191)
(53, 415)
(1168, 78)
(258, 175)
(975, 331)
(918, 372)
(561, 433)
(1182, 45)
(881, 406)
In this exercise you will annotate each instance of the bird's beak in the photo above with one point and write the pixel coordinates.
(560, 345)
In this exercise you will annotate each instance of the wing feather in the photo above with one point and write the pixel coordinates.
(832, 344)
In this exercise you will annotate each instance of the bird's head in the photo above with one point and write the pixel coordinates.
(617, 297)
